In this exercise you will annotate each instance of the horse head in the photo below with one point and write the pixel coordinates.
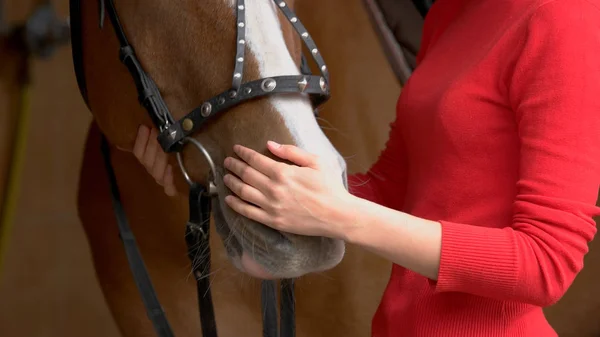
(190, 51)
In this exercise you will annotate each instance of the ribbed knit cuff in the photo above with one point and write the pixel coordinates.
(477, 260)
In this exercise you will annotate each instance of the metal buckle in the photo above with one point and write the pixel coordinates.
(212, 188)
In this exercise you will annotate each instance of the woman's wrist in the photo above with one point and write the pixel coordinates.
(409, 241)
(351, 218)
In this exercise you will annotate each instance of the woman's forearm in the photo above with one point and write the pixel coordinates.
(408, 241)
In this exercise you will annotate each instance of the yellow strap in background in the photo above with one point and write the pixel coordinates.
(37, 37)
(16, 161)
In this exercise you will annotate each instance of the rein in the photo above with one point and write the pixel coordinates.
(172, 138)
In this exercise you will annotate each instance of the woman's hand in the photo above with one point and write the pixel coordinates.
(308, 199)
(149, 153)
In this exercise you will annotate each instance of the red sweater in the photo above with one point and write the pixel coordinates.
(497, 137)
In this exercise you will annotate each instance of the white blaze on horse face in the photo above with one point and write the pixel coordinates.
(264, 38)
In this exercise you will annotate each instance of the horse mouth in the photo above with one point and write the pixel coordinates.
(265, 253)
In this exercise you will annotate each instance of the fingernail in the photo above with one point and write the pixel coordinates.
(274, 144)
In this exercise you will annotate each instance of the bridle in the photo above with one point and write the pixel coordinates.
(174, 135)
(173, 132)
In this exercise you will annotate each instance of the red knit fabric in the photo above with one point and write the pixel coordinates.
(497, 136)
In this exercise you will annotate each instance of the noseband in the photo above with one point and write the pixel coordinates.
(174, 135)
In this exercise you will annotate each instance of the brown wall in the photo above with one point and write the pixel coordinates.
(48, 287)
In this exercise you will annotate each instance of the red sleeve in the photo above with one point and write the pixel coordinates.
(555, 93)
(385, 182)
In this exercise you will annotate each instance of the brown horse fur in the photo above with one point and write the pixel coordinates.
(188, 50)
(190, 56)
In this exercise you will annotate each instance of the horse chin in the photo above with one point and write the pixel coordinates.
(266, 253)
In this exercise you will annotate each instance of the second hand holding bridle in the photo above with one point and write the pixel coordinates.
(174, 135)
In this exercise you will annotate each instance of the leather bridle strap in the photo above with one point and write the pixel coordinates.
(269, 308)
(142, 280)
(197, 237)
(287, 310)
(148, 93)
(173, 132)
(316, 86)
(287, 326)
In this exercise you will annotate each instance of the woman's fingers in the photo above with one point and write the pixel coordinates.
(149, 153)
(262, 163)
(294, 154)
(249, 211)
(248, 174)
(245, 192)
(141, 140)
(160, 164)
(151, 148)
(168, 184)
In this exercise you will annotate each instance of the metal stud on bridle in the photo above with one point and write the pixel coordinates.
(206, 108)
(268, 85)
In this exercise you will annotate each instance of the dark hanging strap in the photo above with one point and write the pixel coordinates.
(148, 93)
(287, 309)
(269, 307)
(197, 235)
(287, 326)
(142, 280)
